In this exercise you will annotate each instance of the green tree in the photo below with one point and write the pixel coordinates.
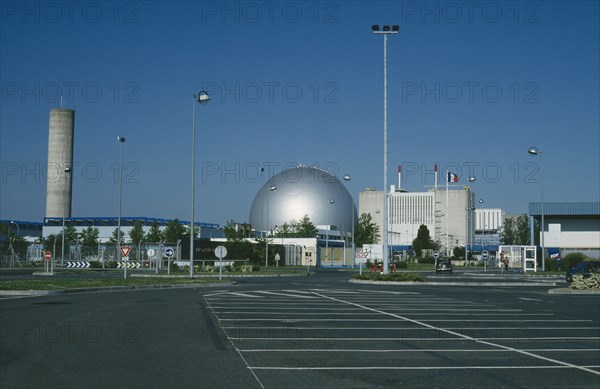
(175, 231)
(515, 230)
(306, 228)
(115, 235)
(155, 235)
(51, 243)
(136, 234)
(522, 234)
(232, 231)
(422, 241)
(16, 243)
(89, 241)
(366, 230)
(507, 236)
(71, 237)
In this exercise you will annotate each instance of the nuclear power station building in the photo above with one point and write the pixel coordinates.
(59, 187)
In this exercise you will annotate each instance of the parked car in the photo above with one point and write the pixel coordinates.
(586, 268)
(443, 265)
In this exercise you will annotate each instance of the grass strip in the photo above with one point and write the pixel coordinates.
(55, 284)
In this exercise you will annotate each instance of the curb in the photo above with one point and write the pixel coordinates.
(428, 283)
(224, 275)
(574, 291)
(35, 293)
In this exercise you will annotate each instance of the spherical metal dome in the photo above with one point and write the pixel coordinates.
(301, 191)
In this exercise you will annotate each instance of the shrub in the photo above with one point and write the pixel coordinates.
(111, 264)
(95, 265)
(174, 267)
(427, 259)
(246, 268)
(255, 268)
(592, 282)
(186, 268)
(401, 265)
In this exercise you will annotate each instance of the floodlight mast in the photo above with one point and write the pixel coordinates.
(385, 30)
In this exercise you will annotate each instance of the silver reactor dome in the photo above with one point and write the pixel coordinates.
(303, 191)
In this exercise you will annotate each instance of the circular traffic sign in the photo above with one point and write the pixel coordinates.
(47, 255)
(151, 252)
(221, 251)
(169, 252)
(485, 255)
(436, 254)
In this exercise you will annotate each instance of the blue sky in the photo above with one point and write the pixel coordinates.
(471, 85)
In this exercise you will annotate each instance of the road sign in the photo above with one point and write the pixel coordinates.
(277, 257)
(128, 265)
(221, 251)
(169, 252)
(78, 264)
(151, 252)
(485, 255)
(361, 256)
(436, 254)
(47, 255)
(125, 250)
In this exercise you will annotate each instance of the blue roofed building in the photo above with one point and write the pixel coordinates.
(570, 226)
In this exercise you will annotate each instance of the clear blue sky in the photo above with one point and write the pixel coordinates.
(469, 87)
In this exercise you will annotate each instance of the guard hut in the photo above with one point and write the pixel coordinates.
(519, 257)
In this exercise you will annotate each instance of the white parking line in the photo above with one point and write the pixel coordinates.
(284, 294)
(342, 350)
(449, 332)
(567, 366)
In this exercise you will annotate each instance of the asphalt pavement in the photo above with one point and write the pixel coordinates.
(305, 332)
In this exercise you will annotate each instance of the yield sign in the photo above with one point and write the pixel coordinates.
(125, 250)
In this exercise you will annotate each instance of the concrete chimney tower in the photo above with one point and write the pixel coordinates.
(59, 187)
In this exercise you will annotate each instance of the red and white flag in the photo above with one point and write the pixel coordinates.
(452, 177)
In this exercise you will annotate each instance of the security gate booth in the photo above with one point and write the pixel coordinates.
(523, 258)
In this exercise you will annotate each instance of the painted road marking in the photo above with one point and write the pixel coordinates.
(449, 332)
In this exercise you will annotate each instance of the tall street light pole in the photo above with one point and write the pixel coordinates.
(331, 201)
(534, 151)
(347, 178)
(121, 141)
(202, 98)
(385, 30)
(62, 254)
(272, 188)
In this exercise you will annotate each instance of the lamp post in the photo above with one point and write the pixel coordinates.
(272, 188)
(469, 208)
(11, 240)
(385, 30)
(121, 141)
(331, 201)
(62, 254)
(534, 152)
(202, 98)
(347, 178)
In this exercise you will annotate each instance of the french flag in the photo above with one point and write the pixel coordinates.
(452, 177)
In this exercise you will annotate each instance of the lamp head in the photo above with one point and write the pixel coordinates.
(347, 177)
(121, 139)
(533, 151)
(272, 188)
(472, 179)
(375, 27)
(202, 97)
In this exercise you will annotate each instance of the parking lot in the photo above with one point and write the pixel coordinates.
(357, 337)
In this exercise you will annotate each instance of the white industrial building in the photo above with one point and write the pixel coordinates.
(448, 214)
